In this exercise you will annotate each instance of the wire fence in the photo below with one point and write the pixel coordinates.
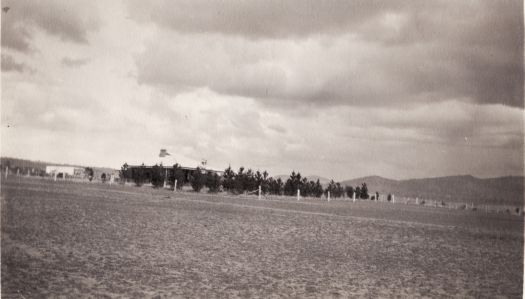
(512, 209)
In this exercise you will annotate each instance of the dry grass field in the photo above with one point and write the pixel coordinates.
(63, 239)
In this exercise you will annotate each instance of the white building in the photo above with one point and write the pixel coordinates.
(65, 170)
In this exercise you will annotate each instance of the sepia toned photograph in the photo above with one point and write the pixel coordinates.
(262, 149)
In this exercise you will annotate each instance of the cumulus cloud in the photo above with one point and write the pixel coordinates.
(259, 19)
(338, 53)
(338, 89)
(68, 20)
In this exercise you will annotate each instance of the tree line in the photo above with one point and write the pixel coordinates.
(240, 182)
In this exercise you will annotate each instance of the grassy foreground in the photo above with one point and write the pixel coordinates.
(93, 240)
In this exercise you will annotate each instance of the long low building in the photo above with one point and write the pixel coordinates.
(167, 170)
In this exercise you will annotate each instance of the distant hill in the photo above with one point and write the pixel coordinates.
(324, 181)
(463, 188)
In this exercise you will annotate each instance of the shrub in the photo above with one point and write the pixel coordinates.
(197, 180)
(364, 191)
(228, 179)
(138, 175)
(213, 182)
(157, 176)
(177, 174)
(124, 173)
(89, 173)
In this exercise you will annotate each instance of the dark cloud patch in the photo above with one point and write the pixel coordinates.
(74, 62)
(69, 20)
(339, 53)
(10, 65)
(397, 21)
(277, 128)
(15, 36)
(259, 19)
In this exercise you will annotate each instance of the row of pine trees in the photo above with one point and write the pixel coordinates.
(240, 182)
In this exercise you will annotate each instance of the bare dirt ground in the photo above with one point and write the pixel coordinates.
(62, 239)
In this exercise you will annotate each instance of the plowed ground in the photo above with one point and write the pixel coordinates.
(94, 240)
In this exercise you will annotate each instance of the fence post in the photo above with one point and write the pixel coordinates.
(259, 192)
(298, 194)
(175, 186)
(393, 199)
(328, 195)
(353, 197)
(6, 171)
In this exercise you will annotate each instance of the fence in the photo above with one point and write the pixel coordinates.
(257, 194)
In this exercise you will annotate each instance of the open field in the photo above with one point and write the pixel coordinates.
(72, 239)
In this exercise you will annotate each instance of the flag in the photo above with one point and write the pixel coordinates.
(163, 153)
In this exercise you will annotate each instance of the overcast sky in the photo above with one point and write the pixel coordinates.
(341, 89)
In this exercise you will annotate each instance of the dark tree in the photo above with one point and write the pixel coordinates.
(228, 182)
(124, 173)
(364, 191)
(138, 175)
(89, 173)
(103, 177)
(213, 182)
(249, 181)
(240, 179)
(318, 189)
(265, 185)
(332, 188)
(258, 179)
(157, 176)
(303, 186)
(293, 183)
(339, 191)
(357, 192)
(276, 186)
(176, 174)
(349, 191)
(197, 180)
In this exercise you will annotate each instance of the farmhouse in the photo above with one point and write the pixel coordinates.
(168, 171)
(65, 171)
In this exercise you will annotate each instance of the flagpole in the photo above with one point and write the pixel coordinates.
(163, 153)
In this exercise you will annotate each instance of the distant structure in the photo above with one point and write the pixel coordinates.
(63, 171)
(188, 171)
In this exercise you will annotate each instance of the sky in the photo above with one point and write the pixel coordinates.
(340, 89)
